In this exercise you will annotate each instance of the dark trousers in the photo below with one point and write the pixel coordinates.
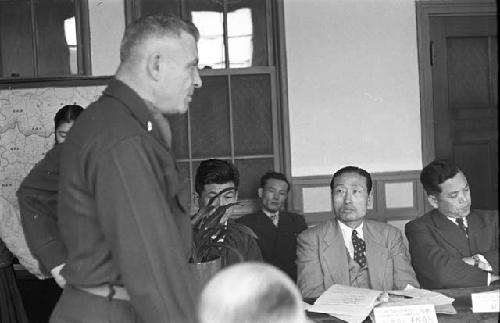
(76, 306)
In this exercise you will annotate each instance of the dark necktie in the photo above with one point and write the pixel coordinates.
(359, 249)
(462, 226)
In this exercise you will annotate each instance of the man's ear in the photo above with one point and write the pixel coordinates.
(432, 201)
(259, 192)
(153, 65)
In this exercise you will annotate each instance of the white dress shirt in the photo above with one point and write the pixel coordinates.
(347, 234)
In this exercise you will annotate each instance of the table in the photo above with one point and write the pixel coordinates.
(462, 304)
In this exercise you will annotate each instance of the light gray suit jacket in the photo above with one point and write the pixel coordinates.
(322, 258)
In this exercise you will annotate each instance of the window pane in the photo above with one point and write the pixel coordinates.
(251, 171)
(16, 44)
(56, 37)
(252, 115)
(151, 7)
(247, 33)
(179, 126)
(209, 113)
(207, 15)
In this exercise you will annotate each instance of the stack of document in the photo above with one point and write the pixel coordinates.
(415, 296)
(347, 303)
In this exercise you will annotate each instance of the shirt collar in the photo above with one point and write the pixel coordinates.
(454, 220)
(270, 214)
(347, 231)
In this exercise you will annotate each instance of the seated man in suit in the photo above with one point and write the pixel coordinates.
(277, 230)
(213, 176)
(452, 245)
(349, 249)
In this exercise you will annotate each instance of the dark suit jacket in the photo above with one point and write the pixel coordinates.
(278, 244)
(37, 196)
(437, 247)
(322, 258)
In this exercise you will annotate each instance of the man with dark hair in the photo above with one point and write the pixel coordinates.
(452, 246)
(121, 211)
(349, 249)
(212, 177)
(276, 229)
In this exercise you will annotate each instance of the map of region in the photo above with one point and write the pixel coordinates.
(27, 129)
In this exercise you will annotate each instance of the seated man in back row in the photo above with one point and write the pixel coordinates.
(350, 250)
(212, 177)
(276, 229)
(452, 246)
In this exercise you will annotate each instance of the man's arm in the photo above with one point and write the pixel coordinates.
(435, 264)
(145, 239)
(37, 197)
(309, 273)
(403, 271)
(491, 255)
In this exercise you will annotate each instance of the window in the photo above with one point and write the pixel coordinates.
(234, 116)
(38, 38)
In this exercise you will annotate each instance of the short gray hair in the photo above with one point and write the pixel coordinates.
(158, 25)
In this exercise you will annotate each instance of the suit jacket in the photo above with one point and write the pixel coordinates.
(322, 258)
(278, 244)
(437, 247)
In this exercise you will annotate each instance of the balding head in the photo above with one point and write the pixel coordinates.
(251, 293)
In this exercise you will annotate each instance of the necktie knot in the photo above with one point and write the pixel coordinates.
(359, 249)
(274, 218)
(462, 226)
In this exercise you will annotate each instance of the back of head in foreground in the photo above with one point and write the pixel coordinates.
(251, 293)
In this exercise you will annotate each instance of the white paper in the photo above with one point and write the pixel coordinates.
(405, 314)
(350, 304)
(486, 302)
(415, 296)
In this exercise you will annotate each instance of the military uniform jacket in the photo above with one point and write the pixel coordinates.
(121, 210)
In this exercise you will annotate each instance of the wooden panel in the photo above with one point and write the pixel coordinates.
(16, 43)
(180, 141)
(484, 183)
(209, 114)
(468, 71)
(252, 115)
(379, 210)
(250, 172)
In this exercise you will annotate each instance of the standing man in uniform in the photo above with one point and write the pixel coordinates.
(120, 210)
(276, 229)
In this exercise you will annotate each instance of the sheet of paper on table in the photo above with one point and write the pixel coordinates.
(405, 314)
(347, 303)
(415, 296)
(486, 302)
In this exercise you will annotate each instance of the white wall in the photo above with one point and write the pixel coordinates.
(353, 85)
(107, 24)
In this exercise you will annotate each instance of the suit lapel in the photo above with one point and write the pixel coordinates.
(334, 254)
(376, 255)
(476, 227)
(451, 233)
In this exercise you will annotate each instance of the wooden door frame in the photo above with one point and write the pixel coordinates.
(424, 10)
